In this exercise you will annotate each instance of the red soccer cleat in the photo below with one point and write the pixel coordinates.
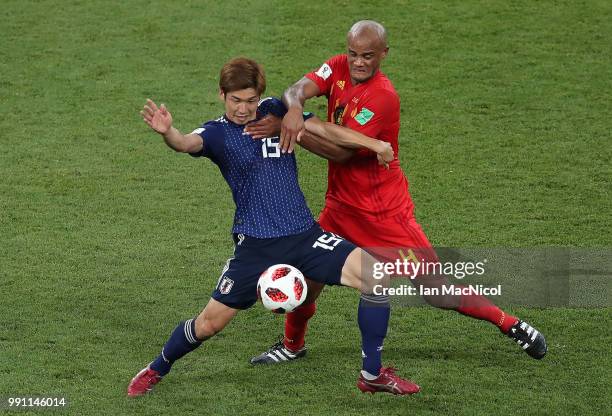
(143, 382)
(387, 382)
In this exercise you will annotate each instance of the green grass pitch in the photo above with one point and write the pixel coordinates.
(108, 239)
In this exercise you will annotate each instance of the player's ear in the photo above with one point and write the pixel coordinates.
(221, 95)
(385, 52)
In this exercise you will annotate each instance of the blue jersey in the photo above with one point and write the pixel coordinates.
(264, 182)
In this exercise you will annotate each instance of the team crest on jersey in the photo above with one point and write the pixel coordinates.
(364, 116)
(340, 84)
(338, 115)
(324, 72)
(225, 285)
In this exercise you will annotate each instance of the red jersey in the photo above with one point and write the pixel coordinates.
(361, 186)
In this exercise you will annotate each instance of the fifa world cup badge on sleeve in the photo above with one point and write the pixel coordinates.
(324, 72)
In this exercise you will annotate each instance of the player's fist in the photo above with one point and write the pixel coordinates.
(385, 154)
(158, 118)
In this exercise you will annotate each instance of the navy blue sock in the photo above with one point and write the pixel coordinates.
(181, 342)
(373, 318)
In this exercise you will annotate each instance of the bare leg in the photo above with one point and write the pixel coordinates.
(214, 317)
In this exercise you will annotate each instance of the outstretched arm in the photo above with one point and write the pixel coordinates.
(323, 147)
(160, 120)
(348, 138)
(270, 126)
(294, 98)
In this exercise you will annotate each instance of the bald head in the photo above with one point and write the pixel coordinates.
(366, 43)
(369, 29)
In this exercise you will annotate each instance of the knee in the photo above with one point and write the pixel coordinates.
(206, 328)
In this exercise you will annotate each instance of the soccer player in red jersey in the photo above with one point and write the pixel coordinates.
(366, 203)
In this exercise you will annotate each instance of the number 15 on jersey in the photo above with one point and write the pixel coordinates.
(328, 241)
(270, 147)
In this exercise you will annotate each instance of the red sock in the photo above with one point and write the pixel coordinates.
(479, 307)
(296, 323)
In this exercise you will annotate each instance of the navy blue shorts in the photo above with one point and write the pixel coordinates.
(318, 254)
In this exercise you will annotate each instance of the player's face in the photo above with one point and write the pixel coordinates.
(241, 105)
(365, 52)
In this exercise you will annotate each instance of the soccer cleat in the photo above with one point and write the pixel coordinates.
(143, 382)
(387, 382)
(278, 353)
(529, 338)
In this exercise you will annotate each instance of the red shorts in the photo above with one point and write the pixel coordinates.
(387, 239)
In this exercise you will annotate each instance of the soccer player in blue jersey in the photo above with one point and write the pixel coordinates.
(272, 225)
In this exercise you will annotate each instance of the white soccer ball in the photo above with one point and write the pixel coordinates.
(282, 288)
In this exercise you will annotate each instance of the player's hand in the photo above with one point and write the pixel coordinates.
(301, 134)
(292, 124)
(158, 118)
(269, 126)
(385, 154)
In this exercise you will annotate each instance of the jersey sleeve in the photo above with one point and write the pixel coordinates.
(271, 105)
(375, 114)
(212, 141)
(274, 106)
(324, 76)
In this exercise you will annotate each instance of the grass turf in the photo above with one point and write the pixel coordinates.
(108, 239)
